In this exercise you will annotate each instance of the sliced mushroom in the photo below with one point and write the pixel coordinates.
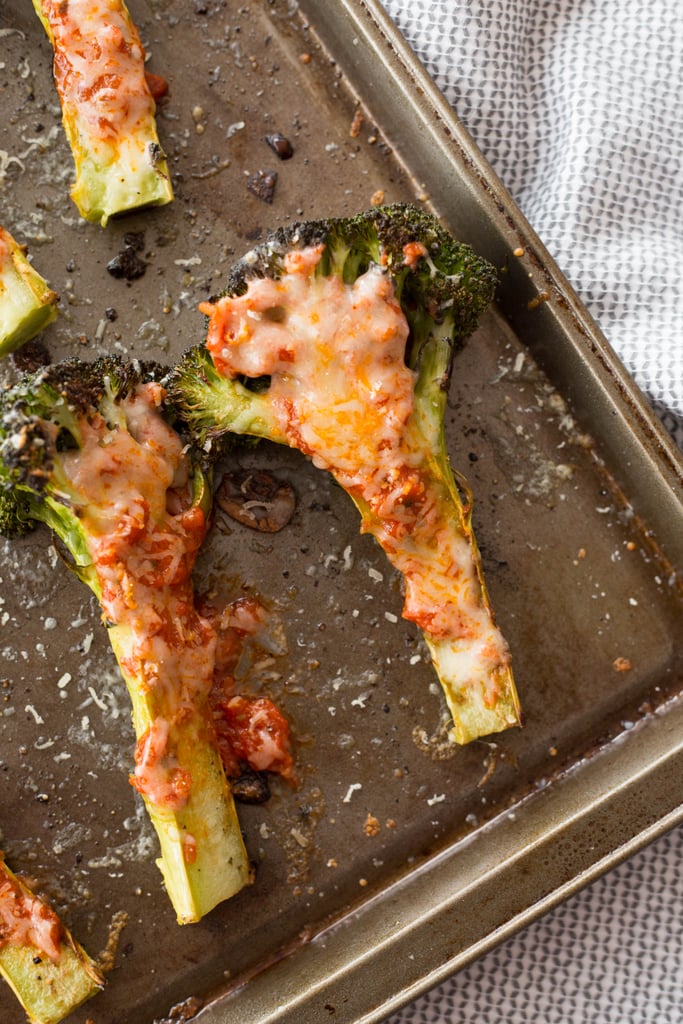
(256, 499)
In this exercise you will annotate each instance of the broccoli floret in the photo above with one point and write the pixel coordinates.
(337, 337)
(27, 303)
(85, 449)
(49, 972)
(107, 108)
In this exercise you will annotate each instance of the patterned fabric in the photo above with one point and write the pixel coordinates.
(611, 955)
(576, 104)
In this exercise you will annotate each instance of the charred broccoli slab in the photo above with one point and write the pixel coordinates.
(49, 972)
(337, 337)
(86, 449)
(27, 303)
(107, 107)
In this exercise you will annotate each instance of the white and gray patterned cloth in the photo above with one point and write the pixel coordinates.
(577, 105)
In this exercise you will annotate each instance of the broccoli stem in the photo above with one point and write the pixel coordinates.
(49, 972)
(27, 304)
(107, 108)
(203, 859)
(338, 338)
(118, 488)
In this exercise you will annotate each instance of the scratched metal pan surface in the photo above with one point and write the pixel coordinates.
(578, 512)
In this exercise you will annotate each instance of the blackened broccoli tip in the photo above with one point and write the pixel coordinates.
(42, 417)
(436, 277)
(11, 523)
(378, 235)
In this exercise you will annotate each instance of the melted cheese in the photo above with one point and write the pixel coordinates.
(143, 554)
(107, 107)
(341, 392)
(99, 68)
(25, 920)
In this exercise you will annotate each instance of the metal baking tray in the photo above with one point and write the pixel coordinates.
(579, 506)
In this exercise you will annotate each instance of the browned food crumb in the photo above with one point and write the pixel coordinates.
(251, 787)
(390, 823)
(280, 145)
(305, 58)
(186, 1011)
(108, 955)
(622, 665)
(519, 251)
(539, 300)
(631, 546)
(127, 263)
(332, 863)
(356, 124)
(363, 882)
(377, 198)
(372, 826)
(490, 765)
(581, 553)
(262, 185)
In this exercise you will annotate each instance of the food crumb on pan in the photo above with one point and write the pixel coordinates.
(356, 124)
(371, 826)
(622, 664)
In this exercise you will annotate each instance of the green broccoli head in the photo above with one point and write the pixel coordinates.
(42, 417)
(442, 286)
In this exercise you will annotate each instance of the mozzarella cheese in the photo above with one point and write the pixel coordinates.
(341, 392)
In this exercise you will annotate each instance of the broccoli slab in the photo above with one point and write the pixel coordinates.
(27, 303)
(49, 972)
(337, 337)
(85, 449)
(107, 107)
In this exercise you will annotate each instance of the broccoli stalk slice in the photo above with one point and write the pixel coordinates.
(217, 867)
(271, 370)
(108, 110)
(48, 971)
(49, 419)
(475, 710)
(27, 303)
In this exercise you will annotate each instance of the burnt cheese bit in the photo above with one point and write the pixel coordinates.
(135, 239)
(280, 145)
(262, 185)
(127, 264)
(251, 787)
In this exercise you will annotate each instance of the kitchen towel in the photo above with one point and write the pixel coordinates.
(576, 104)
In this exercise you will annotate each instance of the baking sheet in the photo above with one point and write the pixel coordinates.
(578, 511)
